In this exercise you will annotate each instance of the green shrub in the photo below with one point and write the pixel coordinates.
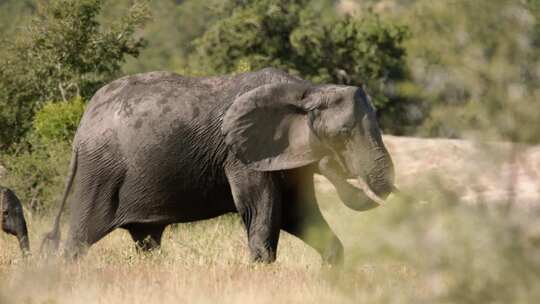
(477, 63)
(306, 38)
(37, 175)
(37, 166)
(444, 250)
(58, 121)
(63, 52)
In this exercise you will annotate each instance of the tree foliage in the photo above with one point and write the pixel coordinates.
(58, 121)
(457, 66)
(170, 34)
(64, 52)
(302, 38)
(475, 64)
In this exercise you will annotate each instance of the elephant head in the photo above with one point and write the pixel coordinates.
(12, 220)
(288, 125)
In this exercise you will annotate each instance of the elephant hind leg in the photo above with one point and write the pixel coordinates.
(79, 242)
(147, 237)
(87, 227)
(93, 212)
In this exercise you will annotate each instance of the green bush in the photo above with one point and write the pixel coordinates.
(477, 63)
(58, 121)
(37, 166)
(61, 53)
(306, 38)
(434, 247)
(37, 176)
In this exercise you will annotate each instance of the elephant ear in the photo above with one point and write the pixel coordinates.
(267, 128)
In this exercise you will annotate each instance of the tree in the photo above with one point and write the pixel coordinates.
(306, 38)
(64, 52)
(476, 63)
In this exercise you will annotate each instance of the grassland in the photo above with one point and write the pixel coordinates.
(469, 236)
(206, 262)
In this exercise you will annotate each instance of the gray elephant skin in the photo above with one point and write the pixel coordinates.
(158, 148)
(13, 221)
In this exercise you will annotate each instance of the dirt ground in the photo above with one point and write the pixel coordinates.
(477, 171)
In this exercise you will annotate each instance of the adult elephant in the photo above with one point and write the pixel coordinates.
(12, 219)
(159, 148)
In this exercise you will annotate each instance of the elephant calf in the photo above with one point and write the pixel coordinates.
(159, 148)
(12, 220)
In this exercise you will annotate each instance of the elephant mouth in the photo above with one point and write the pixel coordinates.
(376, 194)
(357, 193)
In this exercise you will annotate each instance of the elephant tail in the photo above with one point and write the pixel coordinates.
(51, 240)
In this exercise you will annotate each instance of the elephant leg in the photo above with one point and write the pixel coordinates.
(82, 234)
(258, 200)
(146, 237)
(303, 219)
(314, 231)
(93, 210)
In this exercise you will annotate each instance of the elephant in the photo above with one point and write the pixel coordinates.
(158, 148)
(13, 221)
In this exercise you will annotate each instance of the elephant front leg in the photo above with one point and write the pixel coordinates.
(303, 219)
(313, 229)
(258, 200)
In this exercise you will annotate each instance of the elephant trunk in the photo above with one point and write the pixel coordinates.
(353, 197)
(359, 198)
(369, 189)
(380, 176)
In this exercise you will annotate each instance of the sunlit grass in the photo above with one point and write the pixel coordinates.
(204, 262)
(434, 245)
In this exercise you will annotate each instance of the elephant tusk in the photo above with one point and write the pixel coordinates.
(354, 193)
(360, 184)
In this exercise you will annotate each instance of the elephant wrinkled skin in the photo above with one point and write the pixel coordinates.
(159, 148)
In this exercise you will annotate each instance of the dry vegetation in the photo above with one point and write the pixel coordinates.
(442, 249)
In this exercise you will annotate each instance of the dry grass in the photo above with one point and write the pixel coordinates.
(205, 262)
(441, 251)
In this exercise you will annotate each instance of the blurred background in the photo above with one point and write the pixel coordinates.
(456, 84)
